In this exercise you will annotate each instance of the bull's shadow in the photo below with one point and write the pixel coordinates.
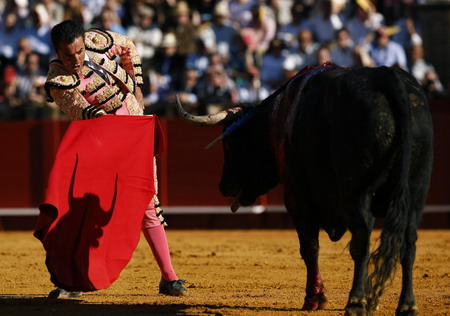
(68, 244)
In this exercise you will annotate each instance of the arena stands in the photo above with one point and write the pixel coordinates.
(235, 38)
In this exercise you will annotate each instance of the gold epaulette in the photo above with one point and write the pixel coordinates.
(60, 78)
(98, 40)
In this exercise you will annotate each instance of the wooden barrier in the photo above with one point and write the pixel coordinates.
(188, 174)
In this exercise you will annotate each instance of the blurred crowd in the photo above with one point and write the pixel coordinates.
(213, 54)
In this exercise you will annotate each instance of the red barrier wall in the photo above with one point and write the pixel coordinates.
(189, 174)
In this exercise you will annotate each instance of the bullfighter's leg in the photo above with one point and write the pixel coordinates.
(155, 235)
(361, 229)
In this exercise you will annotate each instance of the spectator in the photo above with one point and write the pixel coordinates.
(146, 36)
(20, 8)
(204, 10)
(215, 60)
(199, 60)
(93, 9)
(23, 50)
(327, 21)
(361, 57)
(425, 73)
(272, 72)
(260, 31)
(288, 32)
(409, 28)
(241, 12)
(74, 10)
(323, 55)
(117, 7)
(169, 66)
(187, 93)
(305, 55)
(386, 52)
(281, 11)
(240, 62)
(10, 35)
(223, 31)
(39, 34)
(250, 90)
(216, 91)
(30, 89)
(184, 30)
(10, 105)
(54, 9)
(110, 21)
(364, 22)
(342, 52)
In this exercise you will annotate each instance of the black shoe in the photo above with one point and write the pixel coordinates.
(172, 288)
(61, 293)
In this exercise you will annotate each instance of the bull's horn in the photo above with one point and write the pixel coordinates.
(207, 120)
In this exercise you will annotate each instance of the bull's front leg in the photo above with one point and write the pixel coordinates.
(309, 250)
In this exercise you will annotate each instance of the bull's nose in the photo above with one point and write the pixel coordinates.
(235, 205)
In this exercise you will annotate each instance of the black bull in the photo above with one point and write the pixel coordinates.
(349, 146)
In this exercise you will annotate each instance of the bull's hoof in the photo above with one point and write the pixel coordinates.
(356, 307)
(315, 302)
(407, 311)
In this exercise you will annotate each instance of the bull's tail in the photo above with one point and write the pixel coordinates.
(384, 259)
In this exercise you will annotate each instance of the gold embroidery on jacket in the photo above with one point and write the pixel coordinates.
(70, 101)
(86, 71)
(60, 78)
(98, 40)
(113, 67)
(95, 85)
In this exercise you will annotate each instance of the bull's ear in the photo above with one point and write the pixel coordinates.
(225, 116)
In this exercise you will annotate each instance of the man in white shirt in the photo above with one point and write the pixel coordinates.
(386, 52)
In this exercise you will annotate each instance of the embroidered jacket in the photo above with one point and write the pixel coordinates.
(82, 95)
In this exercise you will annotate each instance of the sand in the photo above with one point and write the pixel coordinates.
(229, 272)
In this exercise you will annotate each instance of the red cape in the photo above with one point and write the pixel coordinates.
(99, 187)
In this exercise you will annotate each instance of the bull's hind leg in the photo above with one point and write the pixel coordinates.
(407, 304)
(361, 229)
(309, 250)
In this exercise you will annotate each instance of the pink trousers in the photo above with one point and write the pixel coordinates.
(153, 229)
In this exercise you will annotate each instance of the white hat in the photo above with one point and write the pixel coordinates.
(182, 8)
(169, 40)
(221, 9)
(145, 11)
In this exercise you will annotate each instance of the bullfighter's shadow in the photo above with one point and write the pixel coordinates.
(74, 235)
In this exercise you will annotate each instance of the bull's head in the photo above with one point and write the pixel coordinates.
(249, 163)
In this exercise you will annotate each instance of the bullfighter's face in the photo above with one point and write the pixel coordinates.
(72, 55)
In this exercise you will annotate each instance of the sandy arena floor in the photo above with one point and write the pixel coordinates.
(229, 273)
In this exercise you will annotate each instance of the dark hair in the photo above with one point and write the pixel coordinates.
(66, 32)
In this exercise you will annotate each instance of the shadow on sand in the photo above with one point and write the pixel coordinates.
(37, 305)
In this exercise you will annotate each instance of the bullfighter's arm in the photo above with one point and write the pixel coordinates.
(74, 105)
(124, 47)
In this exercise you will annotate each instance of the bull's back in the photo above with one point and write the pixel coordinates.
(346, 133)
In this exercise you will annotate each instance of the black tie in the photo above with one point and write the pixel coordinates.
(97, 69)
